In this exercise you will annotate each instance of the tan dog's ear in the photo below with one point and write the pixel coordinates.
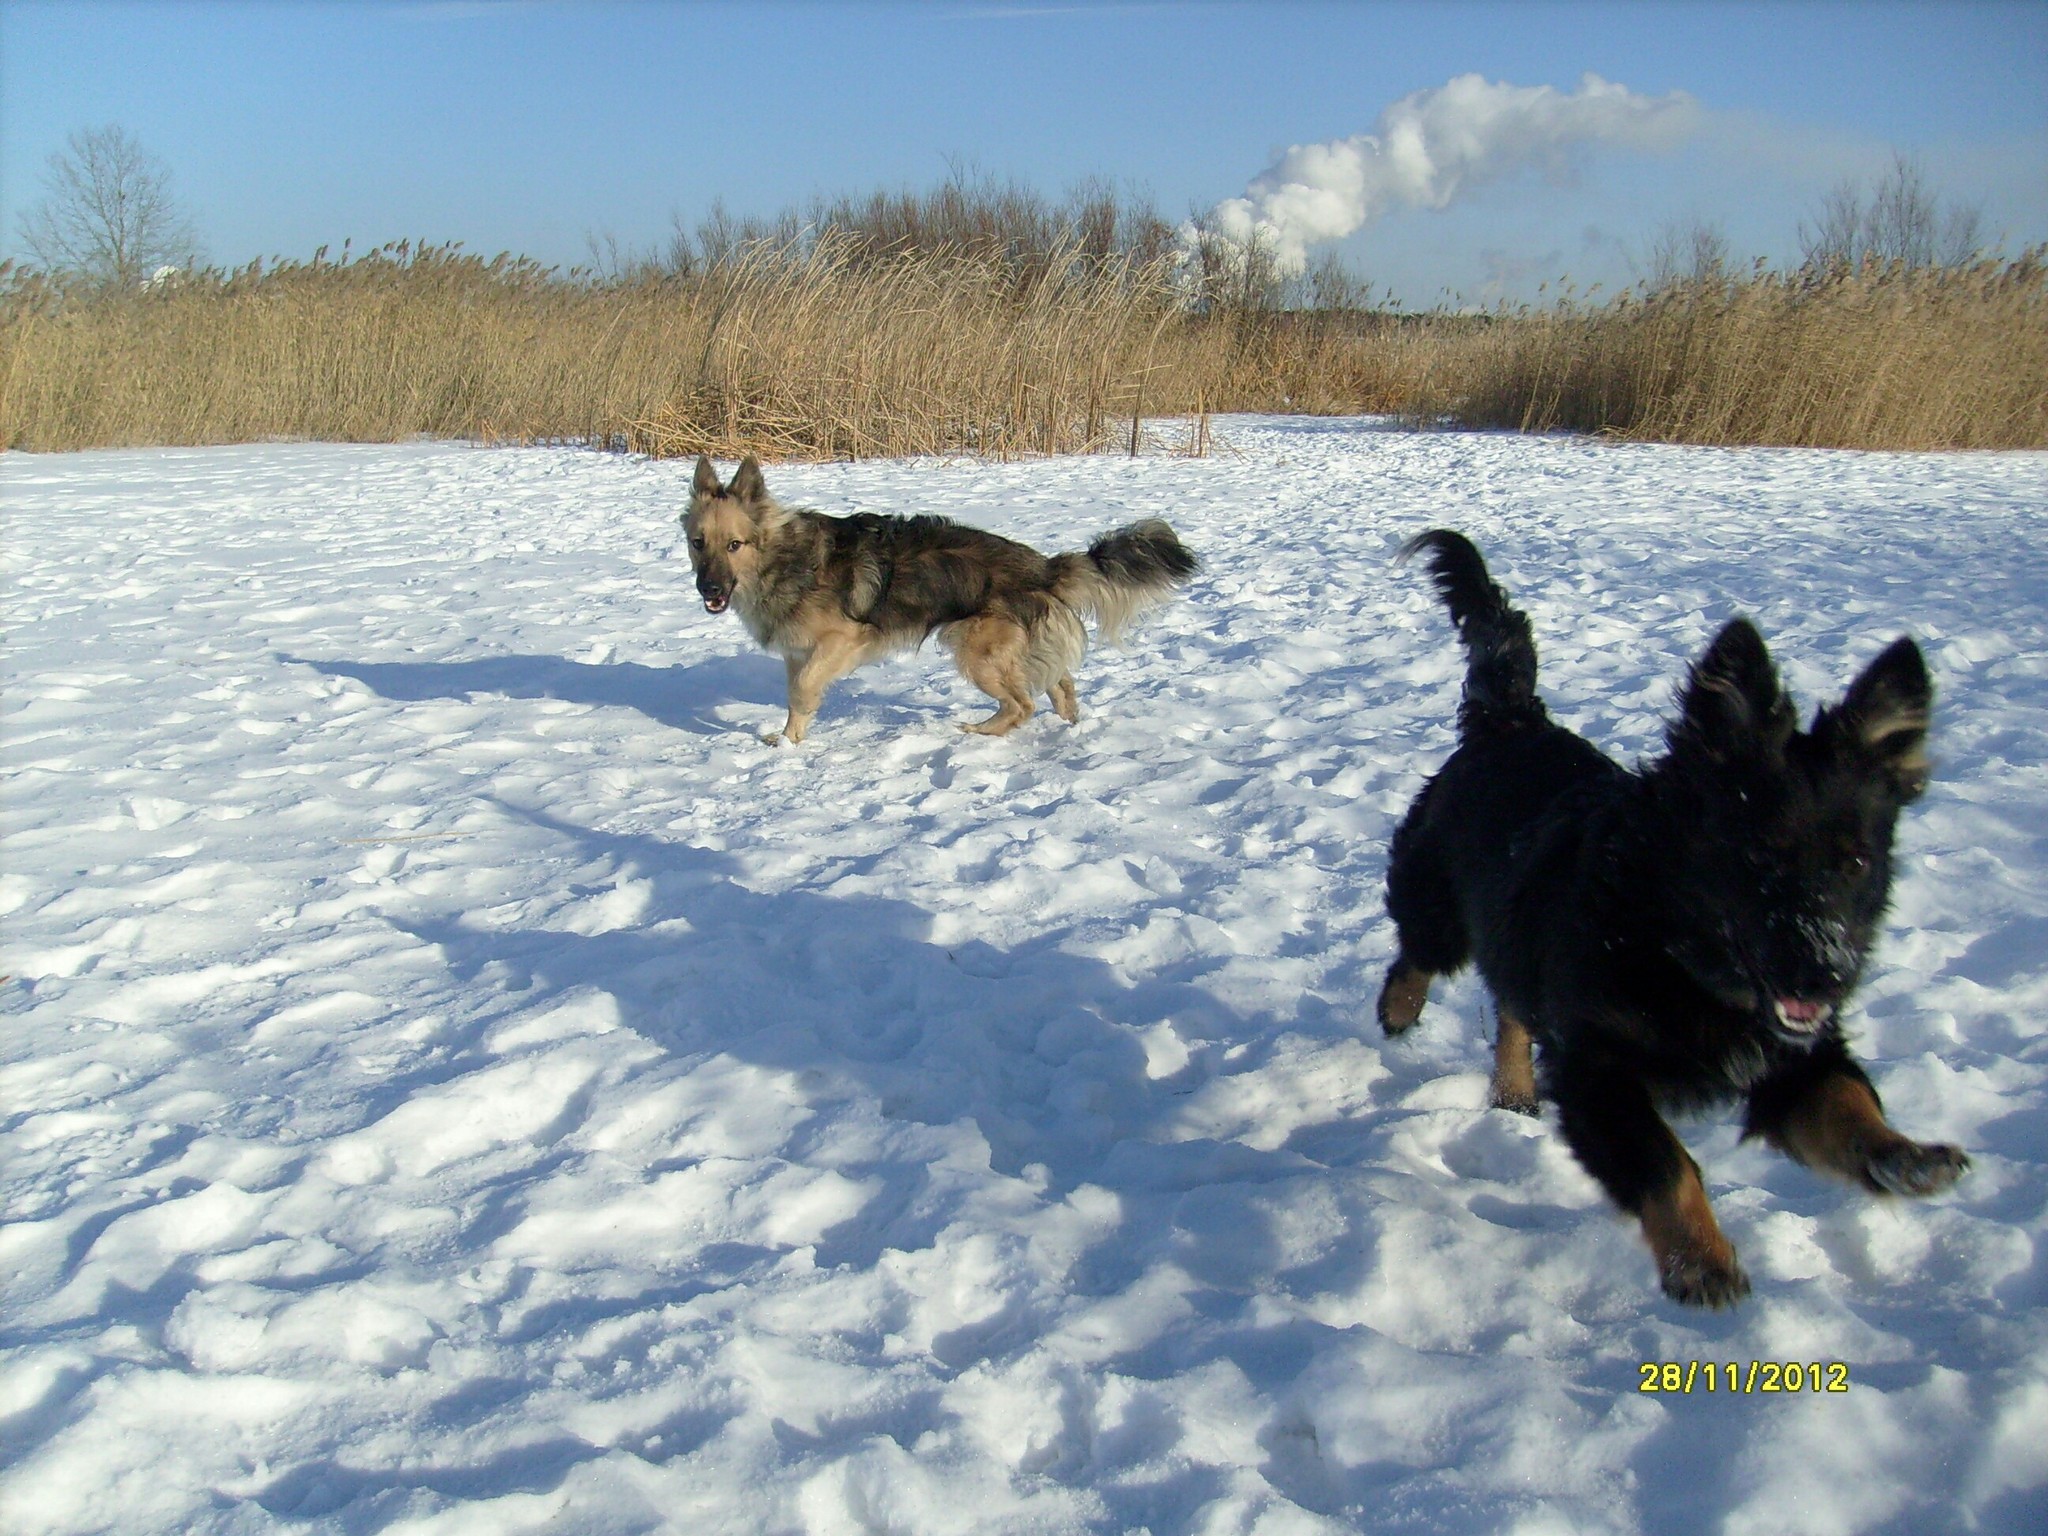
(706, 481)
(747, 484)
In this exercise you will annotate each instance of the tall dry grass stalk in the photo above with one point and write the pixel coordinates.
(842, 345)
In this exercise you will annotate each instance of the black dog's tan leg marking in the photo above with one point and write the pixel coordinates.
(992, 653)
(1612, 1124)
(1401, 998)
(1514, 1070)
(1832, 1121)
(1695, 1261)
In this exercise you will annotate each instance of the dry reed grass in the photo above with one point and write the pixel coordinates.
(818, 351)
(1873, 357)
(830, 351)
(842, 345)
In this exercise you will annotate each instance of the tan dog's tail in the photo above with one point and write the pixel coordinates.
(1123, 573)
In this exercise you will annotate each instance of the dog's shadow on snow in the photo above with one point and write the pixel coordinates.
(1041, 1047)
(880, 1043)
(1042, 1050)
(683, 697)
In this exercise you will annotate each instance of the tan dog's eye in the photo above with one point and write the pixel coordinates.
(735, 546)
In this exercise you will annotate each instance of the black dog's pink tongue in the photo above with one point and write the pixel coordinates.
(1799, 1011)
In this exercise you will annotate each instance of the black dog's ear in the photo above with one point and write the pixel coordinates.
(706, 481)
(747, 484)
(1733, 706)
(1887, 710)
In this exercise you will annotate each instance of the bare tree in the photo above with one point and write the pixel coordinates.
(1225, 275)
(1686, 253)
(1835, 238)
(1903, 221)
(107, 213)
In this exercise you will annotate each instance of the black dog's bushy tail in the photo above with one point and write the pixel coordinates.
(1500, 677)
(1123, 573)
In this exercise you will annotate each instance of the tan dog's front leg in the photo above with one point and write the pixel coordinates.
(792, 730)
(809, 676)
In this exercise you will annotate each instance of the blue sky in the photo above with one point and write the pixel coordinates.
(532, 127)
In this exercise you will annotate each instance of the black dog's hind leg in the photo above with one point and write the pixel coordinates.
(1822, 1112)
(1429, 929)
(1617, 1135)
(1514, 1069)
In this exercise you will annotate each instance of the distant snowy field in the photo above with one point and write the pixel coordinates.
(456, 1078)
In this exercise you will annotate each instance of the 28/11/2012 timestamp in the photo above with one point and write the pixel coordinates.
(1738, 1377)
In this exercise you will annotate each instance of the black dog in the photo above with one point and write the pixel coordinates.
(1673, 937)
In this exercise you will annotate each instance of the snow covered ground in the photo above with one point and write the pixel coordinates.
(456, 1078)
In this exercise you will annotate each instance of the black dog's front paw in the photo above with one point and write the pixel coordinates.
(1401, 998)
(1915, 1168)
(1698, 1280)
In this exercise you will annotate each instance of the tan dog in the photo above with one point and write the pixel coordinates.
(828, 594)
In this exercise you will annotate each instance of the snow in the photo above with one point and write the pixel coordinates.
(457, 1078)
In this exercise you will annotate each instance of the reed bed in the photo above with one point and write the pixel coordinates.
(1878, 356)
(837, 345)
(825, 350)
(403, 343)
(831, 352)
